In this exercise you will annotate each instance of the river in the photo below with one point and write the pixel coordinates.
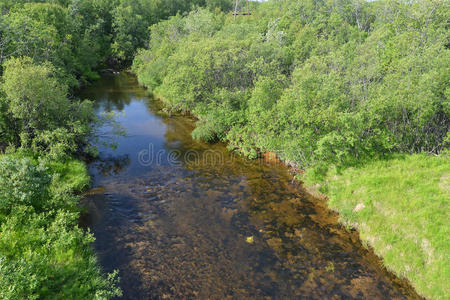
(181, 219)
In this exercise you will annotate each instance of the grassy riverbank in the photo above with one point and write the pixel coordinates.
(43, 252)
(401, 208)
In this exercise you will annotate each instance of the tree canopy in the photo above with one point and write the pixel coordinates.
(318, 82)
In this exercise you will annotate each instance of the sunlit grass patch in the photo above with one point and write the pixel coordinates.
(71, 175)
(401, 207)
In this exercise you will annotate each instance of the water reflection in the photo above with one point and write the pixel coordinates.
(193, 229)
(112, 165)
(112, 93)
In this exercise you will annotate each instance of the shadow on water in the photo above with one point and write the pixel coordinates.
(183, 219)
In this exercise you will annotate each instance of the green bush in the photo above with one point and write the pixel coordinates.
(317, 82)
(43, 252)
(38, 113)
(22, 183)
(42, 258)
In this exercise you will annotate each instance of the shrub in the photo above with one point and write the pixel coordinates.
(22, 183)
(40, 115)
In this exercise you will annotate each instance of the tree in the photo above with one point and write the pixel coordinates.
(44, 117)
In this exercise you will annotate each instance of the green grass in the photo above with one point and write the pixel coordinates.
(71, 175)
(44, 254)
(401, 208)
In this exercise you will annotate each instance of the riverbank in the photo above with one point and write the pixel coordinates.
(400, 207)
(43, 251)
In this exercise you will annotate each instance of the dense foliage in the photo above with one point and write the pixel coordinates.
(73, 41)
(43, 253)
(317, 82)
(79, 37)
(46, 49)
(38, 114)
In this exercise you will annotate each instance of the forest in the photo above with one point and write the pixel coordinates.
(336, 89)
(316, 82)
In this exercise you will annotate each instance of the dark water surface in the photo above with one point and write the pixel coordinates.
(181, 219)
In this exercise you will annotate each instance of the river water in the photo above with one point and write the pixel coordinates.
(181, 219)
